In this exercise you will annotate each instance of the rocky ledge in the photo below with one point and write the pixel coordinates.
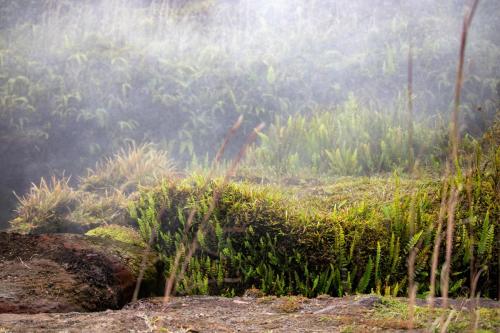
(66, 272)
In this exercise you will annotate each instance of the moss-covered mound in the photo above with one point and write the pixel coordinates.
(352, 236)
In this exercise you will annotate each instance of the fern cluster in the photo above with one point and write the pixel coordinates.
(260, 237)
(350, 140)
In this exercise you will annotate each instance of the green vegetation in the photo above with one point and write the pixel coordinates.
(77, 83)
(342, 236)
(392, 309)
(119, 233)
(259, 236)
(350, 140)
(334, 198)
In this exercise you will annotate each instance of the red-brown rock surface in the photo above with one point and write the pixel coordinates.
(64, 273)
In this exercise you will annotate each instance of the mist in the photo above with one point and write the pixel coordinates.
(80, 79)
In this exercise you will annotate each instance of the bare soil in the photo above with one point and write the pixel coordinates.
(219, 314)
(50, 283)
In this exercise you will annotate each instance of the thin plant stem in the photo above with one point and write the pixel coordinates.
(194, 244)
(475, 298)
(437, 241)
(169, 284)
(455, 136)
(410, 109)
(412, 288)
(450, 228)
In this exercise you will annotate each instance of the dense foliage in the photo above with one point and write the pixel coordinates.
(78, 79)
(81, 79)
(257, 236)
(349, 140)
(336, 236)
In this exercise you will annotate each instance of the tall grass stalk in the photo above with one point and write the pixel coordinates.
(176, 276)
(411, 154)
(475, 298)
(437, 240)
(455, 136)
(412, 287)
(455, 139)
(450, 227)
(169, 283)
(444, 326)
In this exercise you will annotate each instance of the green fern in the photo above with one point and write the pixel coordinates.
(365, 279)
(486, 240)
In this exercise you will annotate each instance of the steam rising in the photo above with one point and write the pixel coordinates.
(180, 72)
(323, 50)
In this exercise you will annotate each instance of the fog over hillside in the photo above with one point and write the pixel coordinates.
(79, 79)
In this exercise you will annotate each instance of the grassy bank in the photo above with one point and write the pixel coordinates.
(336, 236)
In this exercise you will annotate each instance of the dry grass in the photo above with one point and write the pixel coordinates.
(101, 198)
(128, 169)
(103, 208)
(412, 287)
(437, 240)
(52, 200)
(290, 304)
(455, 141)
(411, 153)
(455, 135)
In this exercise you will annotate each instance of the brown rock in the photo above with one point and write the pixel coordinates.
(64, 273)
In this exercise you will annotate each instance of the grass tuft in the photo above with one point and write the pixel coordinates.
(128, 169)
(52, 200)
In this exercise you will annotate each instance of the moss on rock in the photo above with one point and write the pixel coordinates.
(119, 233)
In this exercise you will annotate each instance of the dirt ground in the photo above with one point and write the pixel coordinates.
(245, 314)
